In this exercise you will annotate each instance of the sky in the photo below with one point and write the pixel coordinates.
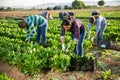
(38, 2)
(30, 2)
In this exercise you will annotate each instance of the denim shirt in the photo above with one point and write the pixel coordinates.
(98, 23)
(75, 29)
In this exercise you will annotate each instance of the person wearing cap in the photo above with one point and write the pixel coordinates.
(77, 29)
(63, 15)
(71, 14)
(46, 15)
(100, 23)
(35, 21)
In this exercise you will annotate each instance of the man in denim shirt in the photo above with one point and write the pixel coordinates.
(100, 23)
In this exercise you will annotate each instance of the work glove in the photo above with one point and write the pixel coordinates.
(63, 47)
(76, 40)
(89, 37)
(92, 39)
(27, 39)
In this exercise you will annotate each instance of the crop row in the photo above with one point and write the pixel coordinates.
(30, 57)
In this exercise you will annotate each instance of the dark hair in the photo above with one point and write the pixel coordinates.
(66, 22)
(69, 17)
(92, 19)
(71, 13)
(95, 12)
(19, 24)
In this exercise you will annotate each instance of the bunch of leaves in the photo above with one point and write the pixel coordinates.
(61, 62)
(4, 76)
(106, 74)
(84, 63)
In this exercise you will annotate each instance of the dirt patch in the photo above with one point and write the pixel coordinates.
(75, 75)
(12, 72)
(110, 60)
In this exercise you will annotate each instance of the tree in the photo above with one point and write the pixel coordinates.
(66, 7)
(101, 2)
(78, 4)
(48, 8)
(33, 8)
(57, 8)
(1, 8)
(9, 8)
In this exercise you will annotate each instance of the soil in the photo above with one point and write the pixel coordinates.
(75, 75)
(12, 72)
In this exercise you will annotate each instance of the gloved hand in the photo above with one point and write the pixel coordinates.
(27, 39)
(89, 37)
(76, 40)
(63, 47)
(92, 39)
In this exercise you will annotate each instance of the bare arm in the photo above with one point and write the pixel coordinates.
(95, 34)
(62, 40)
(89, 32)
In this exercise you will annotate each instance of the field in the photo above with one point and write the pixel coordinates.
(20, 60)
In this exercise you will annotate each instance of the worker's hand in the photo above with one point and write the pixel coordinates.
(92, 39)
(89, 37)
(66, 50)
(76, 40)
(63, 47)
(27, 39)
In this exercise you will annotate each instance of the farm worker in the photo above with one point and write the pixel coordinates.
(100, 23)
(64, 15)
(46, 15)
(30, 23)
(71, 15)
(78, 32)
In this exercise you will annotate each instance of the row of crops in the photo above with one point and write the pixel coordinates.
(109, 15)
(31, 58)
(115, 14)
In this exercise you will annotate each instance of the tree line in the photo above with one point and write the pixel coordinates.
(77, 4)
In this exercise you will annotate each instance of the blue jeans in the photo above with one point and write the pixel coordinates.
(72, 36)
(99, 36)
(79, 46)
(41, 34)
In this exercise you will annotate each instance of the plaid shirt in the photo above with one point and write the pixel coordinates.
(33, 21)
(76, 27)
